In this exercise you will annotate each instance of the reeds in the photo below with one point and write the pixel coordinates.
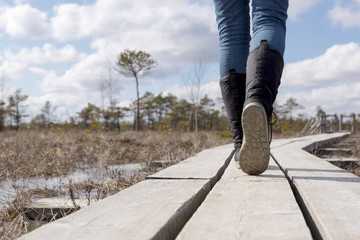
(13, 216)
(56, 153)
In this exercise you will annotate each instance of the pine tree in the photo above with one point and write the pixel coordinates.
(135, 64)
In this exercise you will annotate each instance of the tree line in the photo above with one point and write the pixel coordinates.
(150, 112)
(156, 112)
(164, 112)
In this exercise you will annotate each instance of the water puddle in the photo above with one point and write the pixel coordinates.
(83, 173)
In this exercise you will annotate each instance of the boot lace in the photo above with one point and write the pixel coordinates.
(272, 122)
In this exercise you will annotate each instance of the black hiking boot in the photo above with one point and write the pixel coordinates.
(233, 92)
(264, 69)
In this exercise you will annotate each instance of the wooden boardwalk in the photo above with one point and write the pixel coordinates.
(300, 196)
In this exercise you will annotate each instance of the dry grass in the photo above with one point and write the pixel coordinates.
(29, 154)
(353, 167)
(56, 153)
(13, 219)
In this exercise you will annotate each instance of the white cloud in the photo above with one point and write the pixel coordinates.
(81, 79)
(24, 21)
(212, 89)
(78, 80)
(67, 104)
(33, 64)
(340, 99)
(298, 7)
(135, 20)
(330, 80)
(179, 28)
(71, 21)
(48, 53)
(174, 33)
(14, 70)
(347, 15)
(338, 64)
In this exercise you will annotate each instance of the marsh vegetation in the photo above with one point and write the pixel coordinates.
(81, 164)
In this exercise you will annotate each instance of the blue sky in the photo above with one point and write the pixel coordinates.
(59, 51)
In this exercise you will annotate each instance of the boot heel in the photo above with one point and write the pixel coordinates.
(255, 150)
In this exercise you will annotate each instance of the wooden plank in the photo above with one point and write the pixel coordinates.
(341, 159)
(153, 208)
(329, 196)
(335, 149)
(204, 165)
(248, 207)
(53, 208)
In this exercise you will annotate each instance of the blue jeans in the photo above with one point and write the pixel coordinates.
(233, 19)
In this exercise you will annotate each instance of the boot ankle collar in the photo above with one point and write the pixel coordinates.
(232, 74)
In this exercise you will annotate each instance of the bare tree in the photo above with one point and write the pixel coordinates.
(2, 102)
(192, 80)
(48, 112)
(108, 84)
(16, 107)
(135, 64)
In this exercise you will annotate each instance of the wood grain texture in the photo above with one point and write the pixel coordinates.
(248, 207)
(139, 212)
(203, 165)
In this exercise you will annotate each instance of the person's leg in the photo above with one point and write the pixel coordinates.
(232, 17)
(263, 73)
(269, 23)
(233, 20)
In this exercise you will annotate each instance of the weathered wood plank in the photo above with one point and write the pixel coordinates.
(330, 196)
(341, 159)
(53, 208)
(248, 207)
(151, 208)
(204, 165)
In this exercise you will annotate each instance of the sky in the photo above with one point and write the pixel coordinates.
(59, 51)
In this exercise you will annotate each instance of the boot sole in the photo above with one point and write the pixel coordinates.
(255, 150)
